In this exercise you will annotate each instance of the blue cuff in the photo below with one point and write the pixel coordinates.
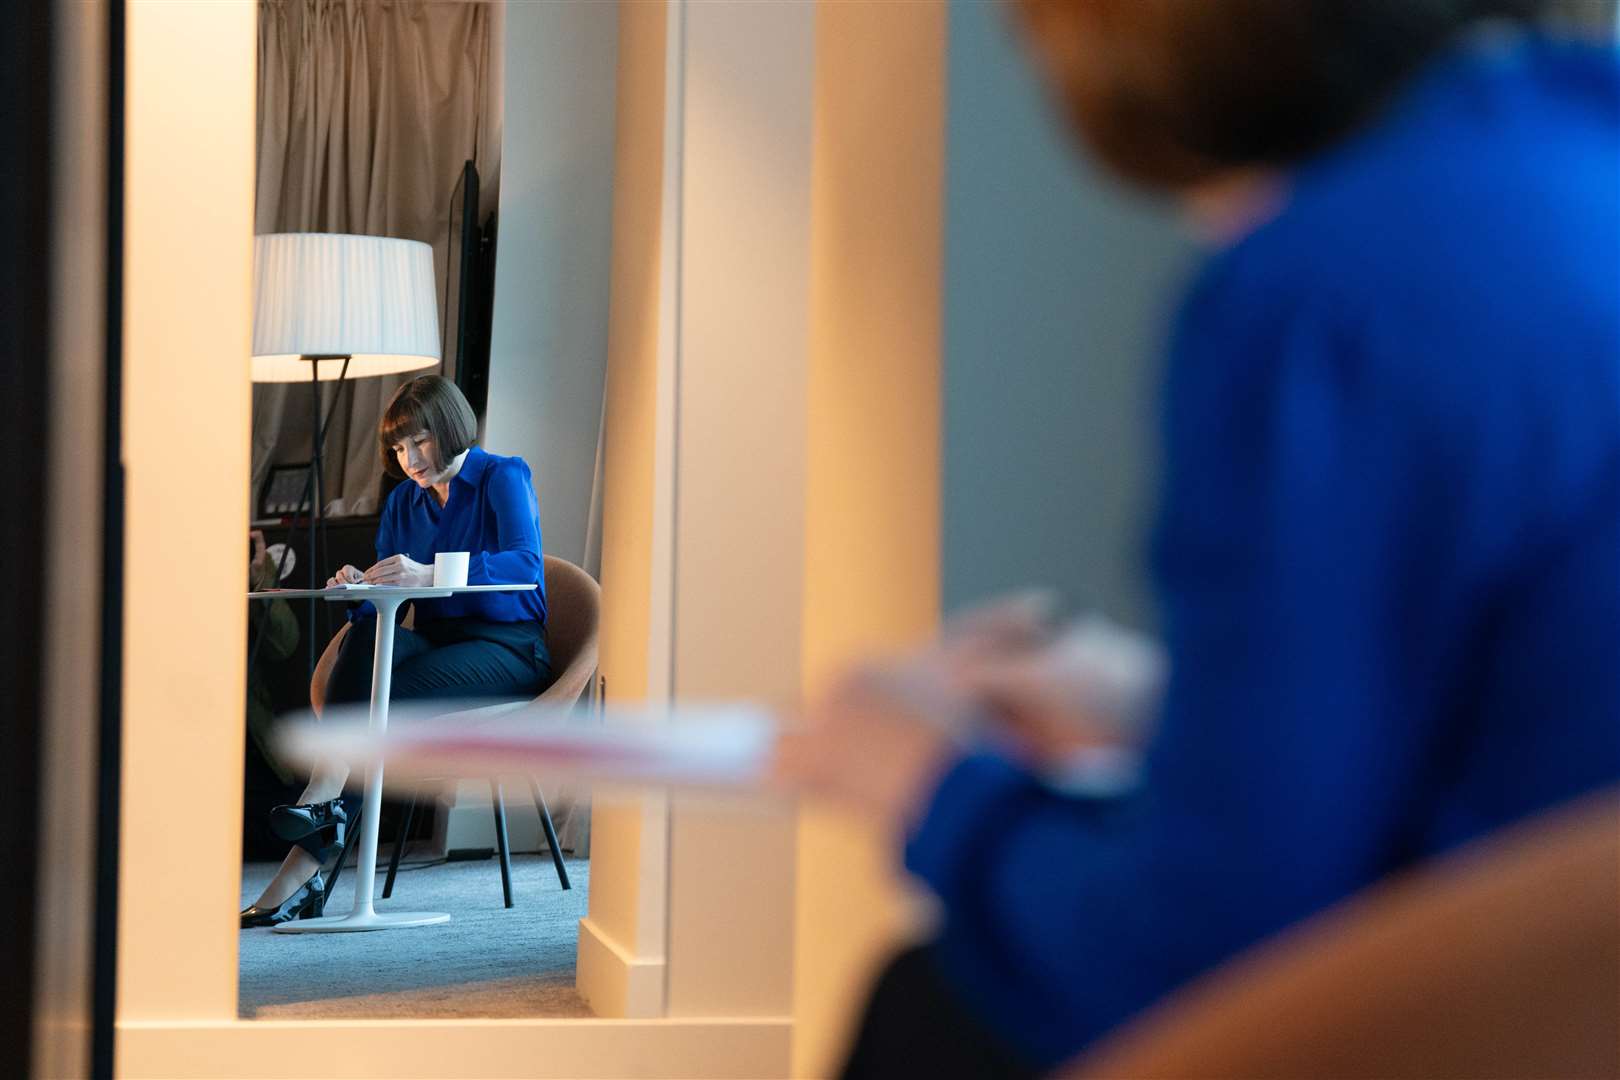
(962, 810)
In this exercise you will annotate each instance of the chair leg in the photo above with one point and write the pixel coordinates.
(351, 830)
(551, 833)
(500, 840)
(400, 839)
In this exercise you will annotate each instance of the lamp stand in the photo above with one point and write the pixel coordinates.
(317, 486)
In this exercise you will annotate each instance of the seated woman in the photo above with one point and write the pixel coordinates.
(471, 645)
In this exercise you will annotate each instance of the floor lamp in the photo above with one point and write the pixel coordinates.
(329, 307)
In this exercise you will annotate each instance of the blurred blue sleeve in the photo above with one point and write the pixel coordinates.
(1291, 725)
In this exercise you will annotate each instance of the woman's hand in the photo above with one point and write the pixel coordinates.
(400, 570)
(873, 743)
(346, 575)
(1092, 685)
(261, 571)
(882, 737)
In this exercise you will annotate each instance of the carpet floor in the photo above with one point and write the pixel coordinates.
(487, 961)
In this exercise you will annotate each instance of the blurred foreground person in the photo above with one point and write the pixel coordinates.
(1388, 557)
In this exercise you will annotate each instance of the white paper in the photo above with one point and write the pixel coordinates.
(704, 746)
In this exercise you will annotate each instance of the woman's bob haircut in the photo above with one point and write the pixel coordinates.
(428, 403)
(1170, 93)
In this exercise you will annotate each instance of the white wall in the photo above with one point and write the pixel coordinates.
(549, 338)
(548, 348)
(1057, 288)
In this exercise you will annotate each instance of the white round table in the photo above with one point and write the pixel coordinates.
(386, 599)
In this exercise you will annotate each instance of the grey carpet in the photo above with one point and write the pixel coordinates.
(488, 961)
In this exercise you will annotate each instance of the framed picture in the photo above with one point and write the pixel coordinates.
(286, 491)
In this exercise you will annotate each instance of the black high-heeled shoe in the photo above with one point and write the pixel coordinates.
(306, 902)
(293, 823)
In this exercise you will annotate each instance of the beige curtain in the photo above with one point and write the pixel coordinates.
(367, 110)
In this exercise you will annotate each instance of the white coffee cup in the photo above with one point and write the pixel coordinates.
(450, 569)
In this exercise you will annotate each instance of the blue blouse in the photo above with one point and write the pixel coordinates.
(492, 513)
(1388, 560)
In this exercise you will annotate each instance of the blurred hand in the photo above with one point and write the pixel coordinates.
(872, 743)
(400, 570)
(1095, 684)
(346, 575)
(884, 734)
(261, 568)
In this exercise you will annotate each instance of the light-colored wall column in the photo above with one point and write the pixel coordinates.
(622, 946)
(705, 476)
(188, 271)
(872, 517)
(739, 513)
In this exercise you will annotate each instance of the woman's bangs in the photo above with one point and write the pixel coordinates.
(403, 420)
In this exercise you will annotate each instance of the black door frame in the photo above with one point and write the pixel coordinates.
(25, 193)
(109, 735)
(33, 138)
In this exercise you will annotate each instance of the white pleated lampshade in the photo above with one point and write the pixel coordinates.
(370, 298)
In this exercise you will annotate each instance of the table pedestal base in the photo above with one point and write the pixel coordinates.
(387, 600)
(355, 922)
